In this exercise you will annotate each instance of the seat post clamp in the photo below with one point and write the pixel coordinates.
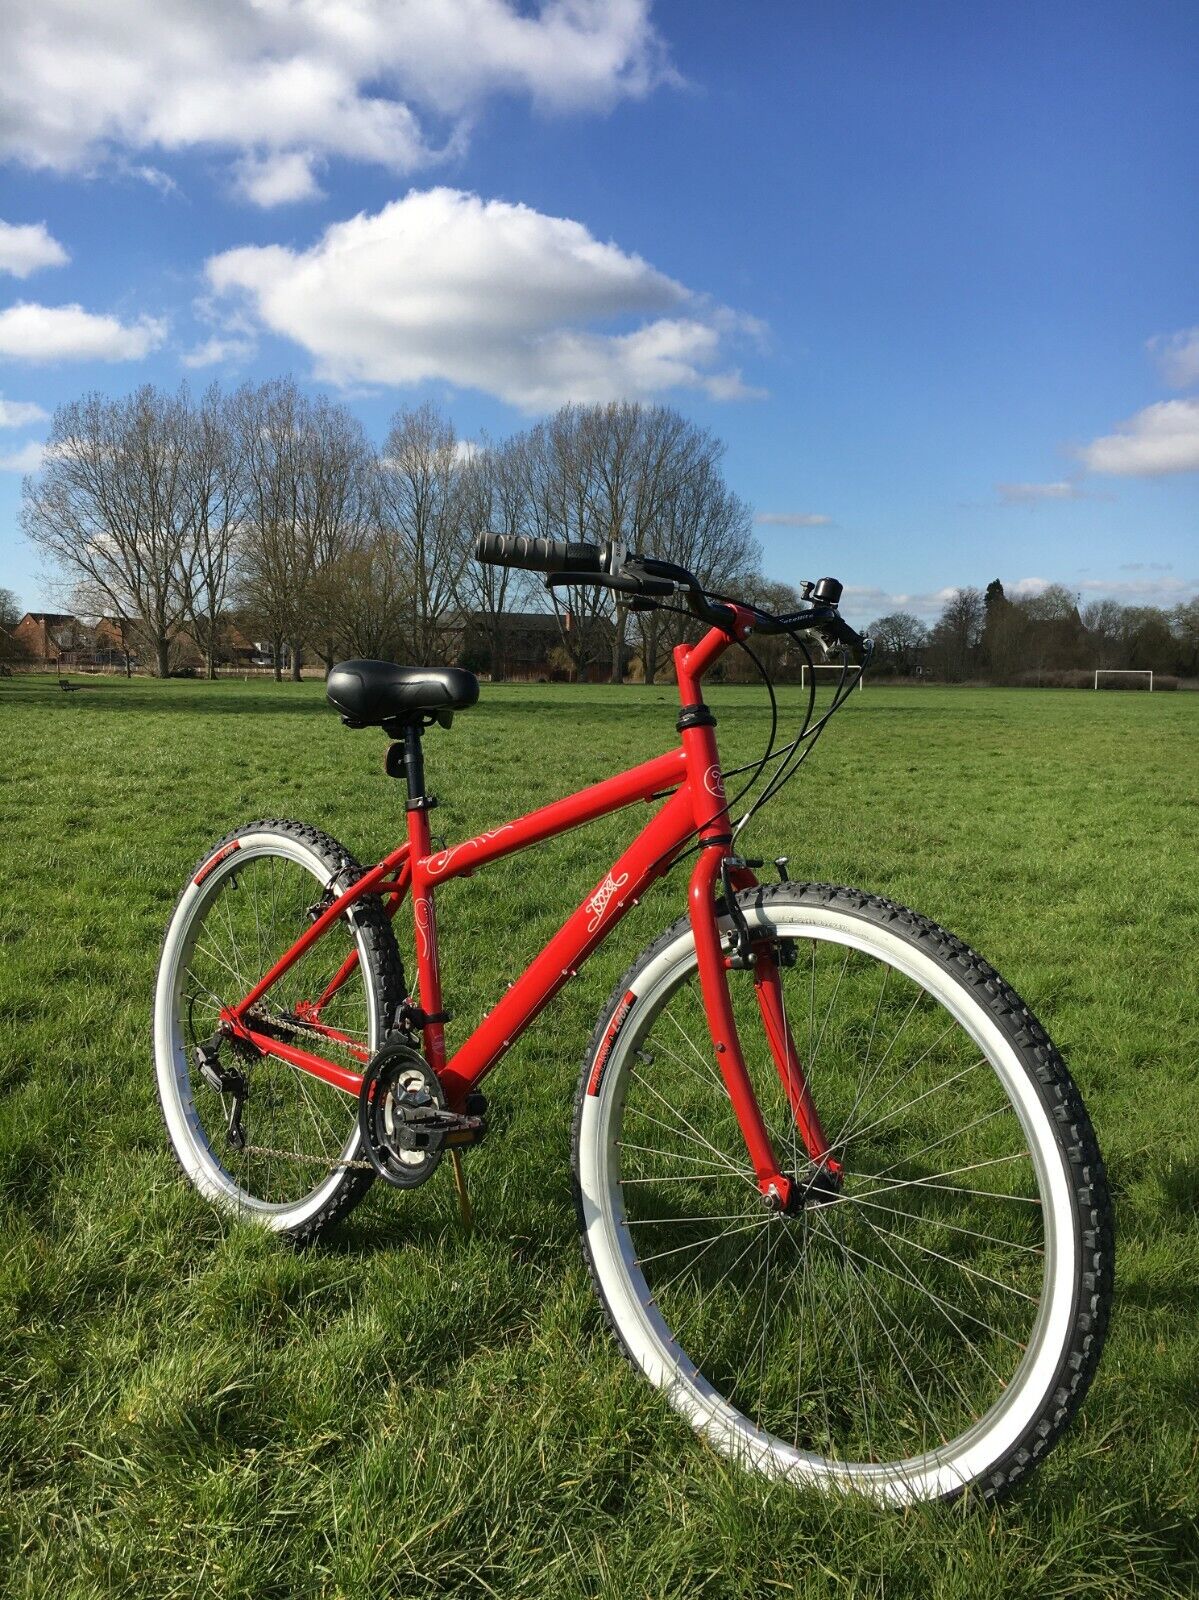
(695, 716)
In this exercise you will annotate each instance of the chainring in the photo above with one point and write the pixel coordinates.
(397, 1088)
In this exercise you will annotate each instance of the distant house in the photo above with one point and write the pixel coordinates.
(49, 635)
(110, 633)
(528, 642)
(236, 648)
(114, 643)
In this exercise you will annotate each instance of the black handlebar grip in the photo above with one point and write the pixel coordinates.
(538, 555)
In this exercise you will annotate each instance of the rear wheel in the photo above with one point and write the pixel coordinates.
(294, 1162)
(931, 1324)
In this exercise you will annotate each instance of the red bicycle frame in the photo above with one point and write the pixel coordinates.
(691, 776)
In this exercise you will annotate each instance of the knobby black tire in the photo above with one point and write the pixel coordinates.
(1075, 1140)
(380, 953)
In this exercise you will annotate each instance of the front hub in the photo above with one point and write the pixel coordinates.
(819, 1185)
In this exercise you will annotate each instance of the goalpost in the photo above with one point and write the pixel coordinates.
(1124, 672)
(829, 666)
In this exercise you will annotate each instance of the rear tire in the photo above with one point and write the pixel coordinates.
(303, 1167)
(928, 1331)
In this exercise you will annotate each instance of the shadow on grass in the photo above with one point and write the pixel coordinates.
(206, 699)
(1179, 1183)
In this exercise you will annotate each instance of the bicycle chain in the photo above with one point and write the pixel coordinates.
(311, 1161)
(294, 1025)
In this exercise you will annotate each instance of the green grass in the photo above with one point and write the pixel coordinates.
(189, 1408)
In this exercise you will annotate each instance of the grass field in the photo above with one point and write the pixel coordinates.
(188, 1408)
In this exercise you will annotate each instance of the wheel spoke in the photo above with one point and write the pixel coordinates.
(900, 1310)
(299, 1131)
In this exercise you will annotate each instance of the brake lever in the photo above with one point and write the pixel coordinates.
(625, 582)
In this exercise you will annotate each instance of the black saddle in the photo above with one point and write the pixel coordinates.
(380, 694)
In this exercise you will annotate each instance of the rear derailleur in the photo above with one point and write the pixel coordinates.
(226, 1081)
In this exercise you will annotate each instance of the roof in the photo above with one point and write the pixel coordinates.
(52, 618)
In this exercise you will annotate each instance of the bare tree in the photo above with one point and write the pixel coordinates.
(1104, 623)
(1184, 624)
(703, 526)
(958, 633)
(637, 453)
(370, 599)
(649, 478)
(1147, 638)
(275, 558)
(899, 637)
(493, 499)
(339, 509)
(419, 507)
(216, 489)
(110, 506)
(11, 648)
(561, 491)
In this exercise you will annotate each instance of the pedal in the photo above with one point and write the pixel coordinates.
(420, 1115)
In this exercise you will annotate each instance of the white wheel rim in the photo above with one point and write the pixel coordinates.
(173, 1068)
(666, 1364)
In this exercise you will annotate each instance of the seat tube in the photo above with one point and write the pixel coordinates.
(424, 913)
(697, 729)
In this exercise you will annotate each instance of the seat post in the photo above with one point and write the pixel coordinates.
(406, 759)
(414, 767)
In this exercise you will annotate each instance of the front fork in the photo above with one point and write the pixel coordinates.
(783, 1191)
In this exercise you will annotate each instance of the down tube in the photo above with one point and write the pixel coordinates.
(616, 894)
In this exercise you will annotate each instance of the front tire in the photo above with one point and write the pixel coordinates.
(933, 1328)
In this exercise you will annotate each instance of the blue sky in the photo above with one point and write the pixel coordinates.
(931, 270)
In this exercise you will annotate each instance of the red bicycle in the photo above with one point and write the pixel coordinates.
(837, 1191)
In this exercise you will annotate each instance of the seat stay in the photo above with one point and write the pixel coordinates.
(372, 882)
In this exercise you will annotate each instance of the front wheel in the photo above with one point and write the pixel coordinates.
(929, 1325)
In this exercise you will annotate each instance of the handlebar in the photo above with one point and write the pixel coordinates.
(646, 579)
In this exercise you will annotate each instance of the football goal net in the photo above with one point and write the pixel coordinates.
(829, 672)
(1123, 672)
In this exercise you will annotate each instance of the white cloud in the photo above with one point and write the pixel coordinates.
(1162, 438)
(486, 295)
(277, 180)
(154, 176)
(1138, 592)
(269, 78)
(69, 333)
(26, 458)
(20, 413)
(26, 246)
(1031, 493)
(867, 602)
(1177, 356)
(793, 519)
(217, 351)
